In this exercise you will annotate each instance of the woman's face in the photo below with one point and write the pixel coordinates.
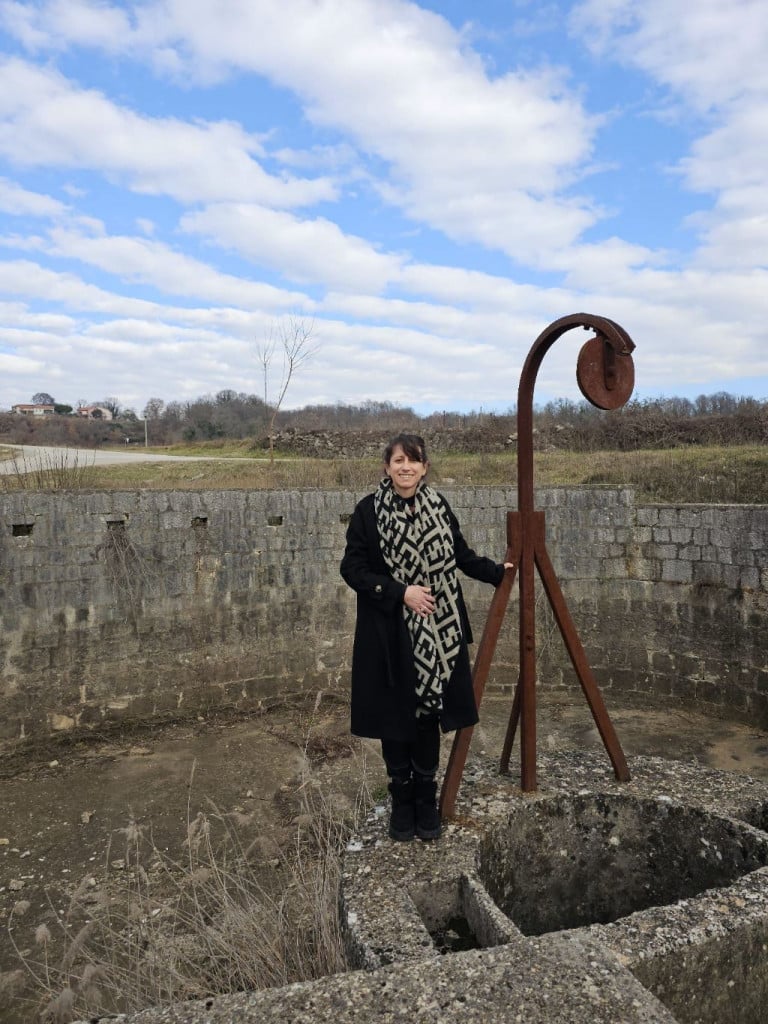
(406, 473)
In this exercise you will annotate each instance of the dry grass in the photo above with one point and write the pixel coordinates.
(161, 930)
(251, 474)
(715, 475)
(49, 471)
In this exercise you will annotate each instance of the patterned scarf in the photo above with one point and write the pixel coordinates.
(418, 549)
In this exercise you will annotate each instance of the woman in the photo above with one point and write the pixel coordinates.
(410, 665)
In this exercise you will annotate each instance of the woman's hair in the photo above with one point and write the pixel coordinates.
(412, 445)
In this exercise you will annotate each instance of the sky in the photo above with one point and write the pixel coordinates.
(424, 187)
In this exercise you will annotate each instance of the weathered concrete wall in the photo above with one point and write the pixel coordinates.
(141, 603)
(670, 601)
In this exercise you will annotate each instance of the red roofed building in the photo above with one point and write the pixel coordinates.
(95, 412)
(28, 409)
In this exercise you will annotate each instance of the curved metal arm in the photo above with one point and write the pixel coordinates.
(613, 335)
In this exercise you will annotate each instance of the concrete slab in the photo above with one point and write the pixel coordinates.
(553, 980)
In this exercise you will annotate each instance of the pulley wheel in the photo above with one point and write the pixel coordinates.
(605, 378)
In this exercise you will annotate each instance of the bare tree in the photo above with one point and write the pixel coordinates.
(111, 403)
(43, 398)
(293, 339)
(153, 408)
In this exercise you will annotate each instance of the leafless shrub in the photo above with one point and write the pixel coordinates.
(127, 567)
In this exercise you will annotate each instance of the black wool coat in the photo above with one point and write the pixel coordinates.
(383, 669)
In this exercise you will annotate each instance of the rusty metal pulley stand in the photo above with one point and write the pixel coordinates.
(606, 376)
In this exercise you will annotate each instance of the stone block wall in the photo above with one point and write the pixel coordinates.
(141, 603)
(146, 603)
(670, 601)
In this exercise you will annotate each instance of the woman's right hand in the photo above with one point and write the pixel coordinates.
(419, 599)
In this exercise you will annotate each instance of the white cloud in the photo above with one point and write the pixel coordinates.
(605, 264)
(46, 121)
(711, 53)
(54, 24)
(470, 337)
(15, 314)
(158, 265)
(22, 278)
(25, 279)
(23, 243)
(130, 359)
(21, 202)
(303, 250)
(530, 230)
(731, 162)
(185, 364)
(472, 288)
(121, 345)
(18, 365)
(335, 158)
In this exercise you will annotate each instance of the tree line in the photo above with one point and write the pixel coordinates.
(715, 419)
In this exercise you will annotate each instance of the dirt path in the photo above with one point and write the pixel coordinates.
(65, 810)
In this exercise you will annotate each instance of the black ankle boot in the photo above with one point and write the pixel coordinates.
(402, 820)
(427, 815)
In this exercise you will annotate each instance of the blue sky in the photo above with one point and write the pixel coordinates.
(426, 186)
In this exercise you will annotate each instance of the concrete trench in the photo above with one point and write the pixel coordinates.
(664, 878)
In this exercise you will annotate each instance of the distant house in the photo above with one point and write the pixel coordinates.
(95, 412)
(33, 410)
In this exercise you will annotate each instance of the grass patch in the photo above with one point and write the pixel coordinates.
(221, 448)
(713, 475)
(226, 474)
(708, 476)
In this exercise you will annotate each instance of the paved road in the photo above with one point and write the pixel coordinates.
(31, 457)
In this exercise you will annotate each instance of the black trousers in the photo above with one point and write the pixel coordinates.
(420, 757)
